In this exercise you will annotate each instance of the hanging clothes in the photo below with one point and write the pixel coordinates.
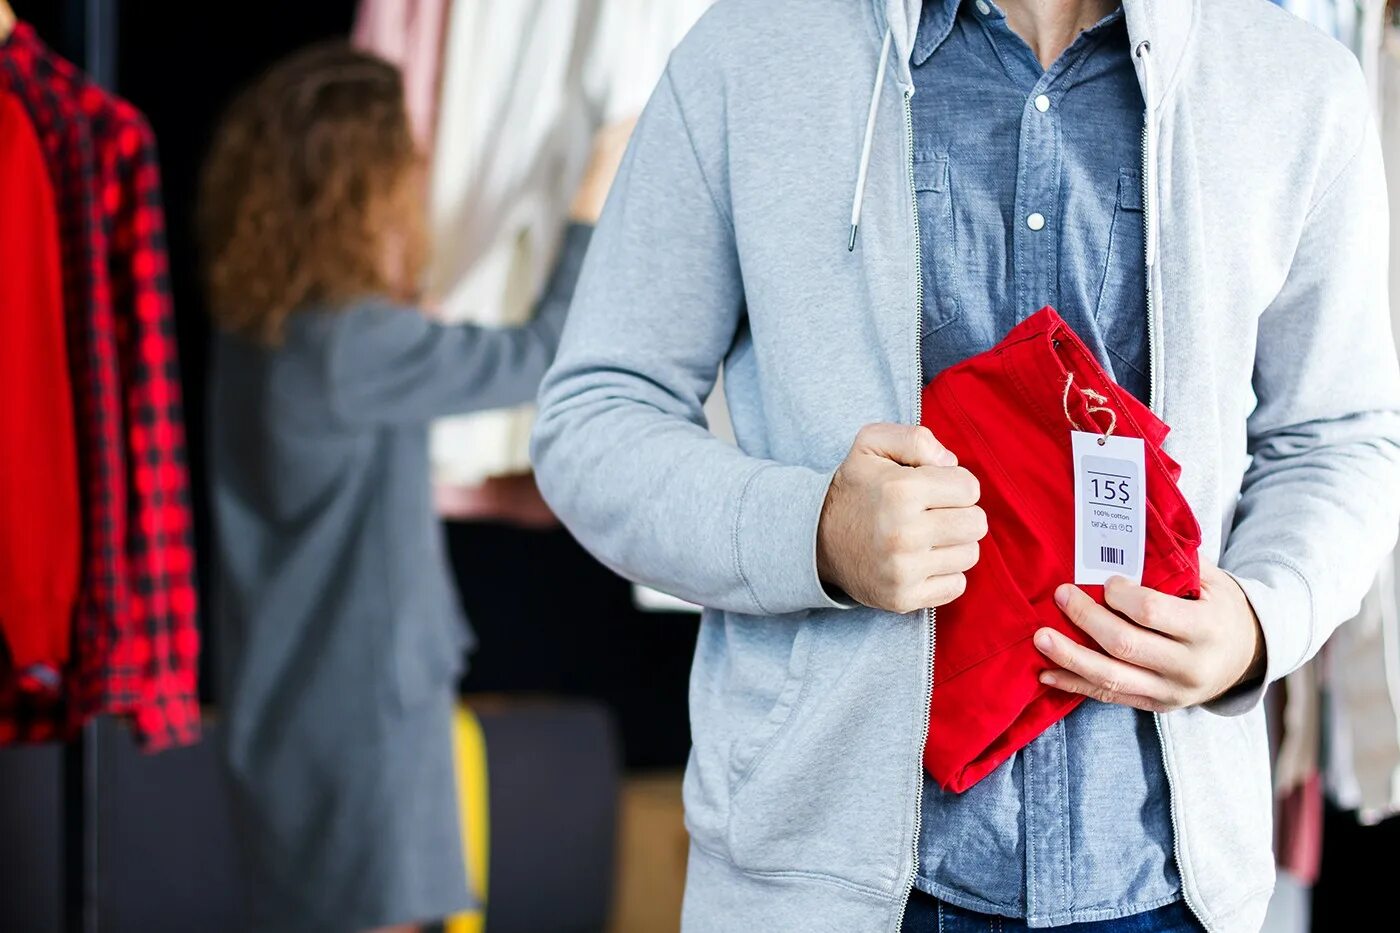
(1362, 762)
(1366, 39)
(524, 88)
(135, 645)
(408, 33)
(1341, 713)
(1298, 790)
(1362, 712)
(39, 518)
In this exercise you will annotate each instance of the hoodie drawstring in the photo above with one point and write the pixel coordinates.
(859, 199)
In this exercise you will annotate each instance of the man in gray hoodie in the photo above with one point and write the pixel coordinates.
(835, 199)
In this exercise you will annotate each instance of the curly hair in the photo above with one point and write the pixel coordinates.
(311, 192)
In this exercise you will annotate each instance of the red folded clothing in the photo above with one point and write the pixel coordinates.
(1004, 414)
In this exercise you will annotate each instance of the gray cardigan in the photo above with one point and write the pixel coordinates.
(334, 595)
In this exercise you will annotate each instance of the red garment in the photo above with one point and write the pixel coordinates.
(150, 670)
(135, 641)
(1298, 830)
(67, 142)
(1003, 414)
(38, 462)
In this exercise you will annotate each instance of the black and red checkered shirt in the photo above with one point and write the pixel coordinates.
(135, 644)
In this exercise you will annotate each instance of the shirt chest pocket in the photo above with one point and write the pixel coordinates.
(1121, 308)
(938, 250)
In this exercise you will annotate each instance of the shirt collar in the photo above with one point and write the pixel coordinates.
(936, 22)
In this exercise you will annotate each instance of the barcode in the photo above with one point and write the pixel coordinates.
(1111, 555)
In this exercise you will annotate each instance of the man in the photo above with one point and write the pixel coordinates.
(834, 200)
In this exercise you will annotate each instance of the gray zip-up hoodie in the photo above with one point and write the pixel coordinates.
(725, 243)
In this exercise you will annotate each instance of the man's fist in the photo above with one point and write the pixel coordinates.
(900, 524)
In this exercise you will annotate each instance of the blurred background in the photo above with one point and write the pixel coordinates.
(579, 692)
(575, 731)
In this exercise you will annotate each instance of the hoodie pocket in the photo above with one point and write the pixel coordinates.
(938, 249)
(749, 750)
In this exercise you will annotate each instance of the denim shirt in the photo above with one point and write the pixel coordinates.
(1029, 194)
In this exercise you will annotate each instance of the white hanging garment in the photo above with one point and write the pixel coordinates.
(1365, 32)
(1363, 657)
(525, 86)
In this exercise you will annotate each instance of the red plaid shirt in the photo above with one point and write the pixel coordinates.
(135, 643)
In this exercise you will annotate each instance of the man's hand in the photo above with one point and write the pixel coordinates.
(1173, 653)
(900, 524)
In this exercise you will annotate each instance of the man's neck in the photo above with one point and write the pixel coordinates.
(1049, 26)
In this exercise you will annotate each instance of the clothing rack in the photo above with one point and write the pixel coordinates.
(89, 35)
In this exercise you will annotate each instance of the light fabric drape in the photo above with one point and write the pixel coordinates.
(525, 85)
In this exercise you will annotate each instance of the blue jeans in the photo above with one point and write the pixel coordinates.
(928, 915)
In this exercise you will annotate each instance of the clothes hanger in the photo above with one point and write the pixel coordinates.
(7, 20)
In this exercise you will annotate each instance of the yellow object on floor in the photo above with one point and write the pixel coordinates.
(473, 807)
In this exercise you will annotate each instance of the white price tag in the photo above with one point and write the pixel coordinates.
(1110, 507)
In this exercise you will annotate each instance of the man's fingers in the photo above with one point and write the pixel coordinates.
(1073, 683)
(941, 487)
(937, 528)
(951, 527)
(907, 444)
(930, 488)
(958, 558)
(942, 590)
(928, 593)
(1147, 607)
(913, 571)
(1107, 677)
(1122, 639)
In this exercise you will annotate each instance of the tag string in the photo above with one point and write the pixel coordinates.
(1094, 402)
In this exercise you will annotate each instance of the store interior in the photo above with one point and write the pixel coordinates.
(578, 685)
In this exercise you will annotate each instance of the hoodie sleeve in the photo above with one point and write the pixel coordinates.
(389, 365)
(621, 449)
(1320, 502)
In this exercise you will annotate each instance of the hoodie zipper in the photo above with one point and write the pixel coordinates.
(1143, 51)
(930, 615)
(1147, 180)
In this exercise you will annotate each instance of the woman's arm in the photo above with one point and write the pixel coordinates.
(389, 364)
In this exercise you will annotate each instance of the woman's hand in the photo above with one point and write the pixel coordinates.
(608, 146)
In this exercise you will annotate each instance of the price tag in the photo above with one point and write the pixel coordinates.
(1110, 507)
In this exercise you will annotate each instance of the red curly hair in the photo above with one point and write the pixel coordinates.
(311, 192)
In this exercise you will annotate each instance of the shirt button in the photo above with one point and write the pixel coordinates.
(984, 8)
(1036, 221)
(1042, 103)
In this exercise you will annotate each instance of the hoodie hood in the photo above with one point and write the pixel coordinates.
(900, 18)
